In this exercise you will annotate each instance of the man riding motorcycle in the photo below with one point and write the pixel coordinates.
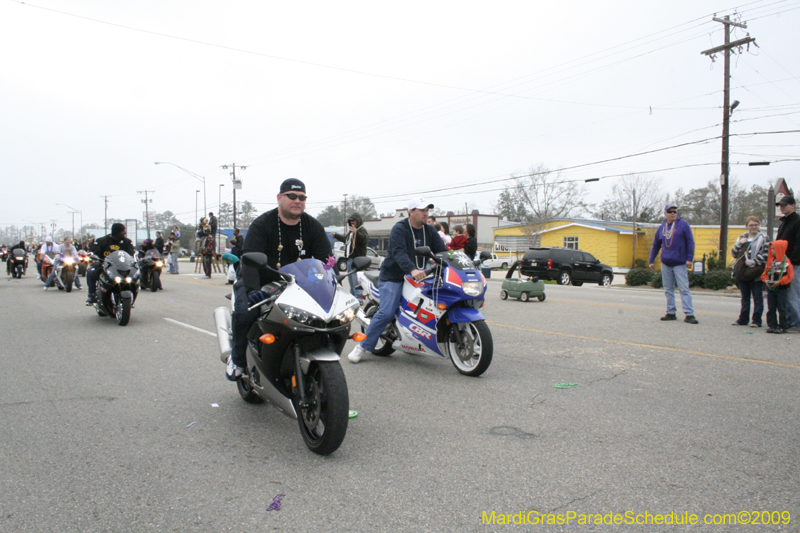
(20, 246)
(63, 251)
(47, 248)
(102, 247)
(143, 265)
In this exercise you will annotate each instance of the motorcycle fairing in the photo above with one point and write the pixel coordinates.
(316, 280)
(464, 314)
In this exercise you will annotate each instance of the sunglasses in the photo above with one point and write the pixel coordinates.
(672, 211)
(292, 196)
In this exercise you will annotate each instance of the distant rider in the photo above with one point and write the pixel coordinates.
(114, 242)
(47, 248)
(64, 250)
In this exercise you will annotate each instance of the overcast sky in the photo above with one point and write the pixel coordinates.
(379, 99)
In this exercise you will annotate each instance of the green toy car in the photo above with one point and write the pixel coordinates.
(523, 289)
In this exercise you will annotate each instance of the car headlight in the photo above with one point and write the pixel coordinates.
(473, 288)
(298, 315)
(348, 315)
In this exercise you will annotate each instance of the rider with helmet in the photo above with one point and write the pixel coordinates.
(63, 251)
(114, 242)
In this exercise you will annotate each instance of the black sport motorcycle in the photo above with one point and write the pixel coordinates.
(19, 262)
(150, 270)
(117, 286)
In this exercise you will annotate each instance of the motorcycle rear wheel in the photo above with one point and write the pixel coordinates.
(323, 423)
(475, 363)
(156, 281)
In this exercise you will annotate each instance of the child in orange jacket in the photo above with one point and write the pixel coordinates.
(777, 276)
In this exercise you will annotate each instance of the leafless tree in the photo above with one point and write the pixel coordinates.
(639, 194)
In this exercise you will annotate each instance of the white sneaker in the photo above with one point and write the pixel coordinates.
(46, 288)
(233, 372)
(357, 353)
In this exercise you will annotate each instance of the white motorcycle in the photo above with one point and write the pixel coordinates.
(293, 349)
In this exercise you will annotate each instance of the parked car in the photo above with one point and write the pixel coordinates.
(341, 261)
(566, 266)
(487, 259)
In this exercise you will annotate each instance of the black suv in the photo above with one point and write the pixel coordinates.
(566, 266)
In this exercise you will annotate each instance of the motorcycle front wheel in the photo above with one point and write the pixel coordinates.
(123, 309)
(323, 422)
(156, 281)
(473, 355)
(69, 278)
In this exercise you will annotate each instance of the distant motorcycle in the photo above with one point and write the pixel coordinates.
(65, 272)
(47, 265)
(84, 260)
(117, 286)
(19, 262)
(150, 270)
(438, 316)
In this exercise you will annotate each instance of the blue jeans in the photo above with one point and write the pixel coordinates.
(390, 292)
(779, 312)
(793, 302)
(173, 265)
(670, 275)
(352, 279)
(755, 289)
(242, 321)
(92, 274)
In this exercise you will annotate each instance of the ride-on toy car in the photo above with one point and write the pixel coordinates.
(523, 289)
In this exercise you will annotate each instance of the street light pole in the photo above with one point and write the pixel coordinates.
(73, 217)
(219, 214)
(196, 176)
(196, 220)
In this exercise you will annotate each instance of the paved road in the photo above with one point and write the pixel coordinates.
(109, 428)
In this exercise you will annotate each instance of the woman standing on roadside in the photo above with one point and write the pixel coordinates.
(751, 248)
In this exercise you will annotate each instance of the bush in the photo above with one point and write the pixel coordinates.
(640, 263)
(658, 281)
(638, 276)
(717, 280)
(695, 280)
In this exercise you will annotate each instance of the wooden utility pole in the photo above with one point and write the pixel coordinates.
(146, 203)
(633, 258)
(237, 184)
(726, 113)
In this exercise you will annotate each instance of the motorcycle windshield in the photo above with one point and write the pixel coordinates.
(458, 260)
(318, 281)
(153, 254)
(118, 262)
(19, 253)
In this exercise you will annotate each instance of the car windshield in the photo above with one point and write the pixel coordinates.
(315, 278)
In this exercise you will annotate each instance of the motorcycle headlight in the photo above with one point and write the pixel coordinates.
(68, 261)
(159, 263)
(348, 315)
(128, 279)
(117, 279)
(298, 315)
(473, 288)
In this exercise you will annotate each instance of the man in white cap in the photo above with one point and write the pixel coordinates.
(47, 248)
(400, 262)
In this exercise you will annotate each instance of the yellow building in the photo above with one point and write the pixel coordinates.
(610, 242)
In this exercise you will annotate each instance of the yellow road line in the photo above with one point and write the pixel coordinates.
(628, 343)
(631, 307)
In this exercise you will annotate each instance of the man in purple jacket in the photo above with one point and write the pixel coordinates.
(675, 240)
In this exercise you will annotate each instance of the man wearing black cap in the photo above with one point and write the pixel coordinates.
(788, 231)
(102, 247)
(285, 234)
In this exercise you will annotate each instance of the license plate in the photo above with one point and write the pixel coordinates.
(534, 264)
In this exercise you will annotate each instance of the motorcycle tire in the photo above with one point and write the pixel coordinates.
(246, 391)
(323, 423)
(123, 312)
(471, 364)
(156, 282)
(69, 279)
(383, 348)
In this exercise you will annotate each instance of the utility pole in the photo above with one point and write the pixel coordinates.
(53, 225)
(726, 113)
(146, 203)
(633, 258)
(237, 184)
(106, 200)
(344, 214)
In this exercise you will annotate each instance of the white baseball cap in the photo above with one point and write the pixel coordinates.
(48, 239)
(419, 203)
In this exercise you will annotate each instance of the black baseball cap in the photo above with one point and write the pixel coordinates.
(786, 200)
(293, 185)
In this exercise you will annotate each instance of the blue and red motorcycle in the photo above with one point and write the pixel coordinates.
(439, 315)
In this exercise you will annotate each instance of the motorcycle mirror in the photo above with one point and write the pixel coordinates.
(422, 250)
(255, 259)
(360, 263)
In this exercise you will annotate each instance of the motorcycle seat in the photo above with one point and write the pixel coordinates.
(373, 277)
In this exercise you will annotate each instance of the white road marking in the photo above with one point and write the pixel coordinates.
(190, 327)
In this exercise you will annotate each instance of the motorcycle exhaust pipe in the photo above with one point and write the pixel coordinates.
(362, 318)
(222, 321)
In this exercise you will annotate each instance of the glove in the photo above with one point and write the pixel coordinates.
(256, 297)
(750, 262)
